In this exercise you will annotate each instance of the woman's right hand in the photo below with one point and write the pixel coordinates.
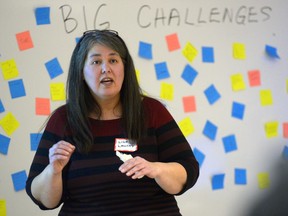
(59, 155)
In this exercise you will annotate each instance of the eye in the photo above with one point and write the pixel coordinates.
(113, 61)
(96, 62)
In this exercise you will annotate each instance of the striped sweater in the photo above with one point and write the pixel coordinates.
(92, 183)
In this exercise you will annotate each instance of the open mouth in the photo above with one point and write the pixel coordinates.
(106, 80)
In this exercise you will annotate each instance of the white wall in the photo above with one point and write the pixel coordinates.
(198, 22)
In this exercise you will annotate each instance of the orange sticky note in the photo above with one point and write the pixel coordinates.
(285, 129)
(172, 42)
(266, 97)
(263, 180)
(186, 126)
(42, 106)
(189, 104)
(24, 40)
(254, 78)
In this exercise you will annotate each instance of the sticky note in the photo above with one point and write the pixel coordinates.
(285, 152)
(42, 106)
(167, 91)
(2, 108)
(271, 129)
(200, 156)
(237, 81)
(145, 50)
(3, 211)
(263, 180)
(34, 140)
(190, 52)
(266, 97)
(208, 54)
(19, 180)
(229, 143)
(189, 103)
(271, 51)
(17, 88)
(4, 144)
(212, 94)
(285, 129)
(42, 15)
(9, 123)
(162, 71)
(210, 130)
(239, 51)
(254, 78)
(24, 40)
(172, 42)
(238, 110)
(57, 91)
(137, 75)
(240, 176)
(54, 68)
(9, 69)
(186, 126)
(189, 74)
(218, 181)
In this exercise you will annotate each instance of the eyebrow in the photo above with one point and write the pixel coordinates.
(98, 54)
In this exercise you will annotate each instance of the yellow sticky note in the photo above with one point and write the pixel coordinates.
(238, 83)
(167, 91)
(239, 51)
(263, 180)
(186, 126)
(57, 91)
(9, 69)
(9, 123)
(190, 52)
(271, 129)
(266, 97)
(138, 75)
(3, 207)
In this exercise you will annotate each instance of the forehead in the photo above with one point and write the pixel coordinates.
(101, 50)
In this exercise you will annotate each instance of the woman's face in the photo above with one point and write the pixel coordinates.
(104, 73)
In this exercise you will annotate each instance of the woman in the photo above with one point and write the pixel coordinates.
(106, 115)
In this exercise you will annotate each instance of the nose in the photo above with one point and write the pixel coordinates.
(105, 68)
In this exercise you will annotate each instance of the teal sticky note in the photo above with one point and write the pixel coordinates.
(210, 130)
(238, 110)
(208, 54)
(54, 68)
(200, 156)
(240, 176)
(4, 144)
(34, 140)
(189, 74)
(145, 50)
(218, 181)
(19, 180)
(212, 94)
(42, 15)
(230, 143)
(17, 88)
(162, 71)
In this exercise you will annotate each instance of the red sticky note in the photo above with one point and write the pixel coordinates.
(254, 78)
(172, 42)
(189, 104)
(285, 130)
(24, 40)
(42, 106)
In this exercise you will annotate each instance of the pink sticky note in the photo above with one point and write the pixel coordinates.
(172, 42)
(24, 40)
(285, 130)
(254, 78)
(189, 104)
(42, 106)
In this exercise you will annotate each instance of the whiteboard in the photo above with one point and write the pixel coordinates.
(218, 25)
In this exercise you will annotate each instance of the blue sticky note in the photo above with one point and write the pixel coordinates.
(4, 144)
(53, 67)
(285, 152)
(145, 50)
(19, 180)
(218, 181)
(77, 39)
(238, 110)
(271, 51)
(240, 176)
(199, 156)
(2, 109)
(210, 130)
(42, 15)
(161, 70)
(34, 140)
(212, 94)
(16, 88)
(208, 54)
(230, 143)
(189, 74)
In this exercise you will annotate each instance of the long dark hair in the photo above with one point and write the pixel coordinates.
(80, 102)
